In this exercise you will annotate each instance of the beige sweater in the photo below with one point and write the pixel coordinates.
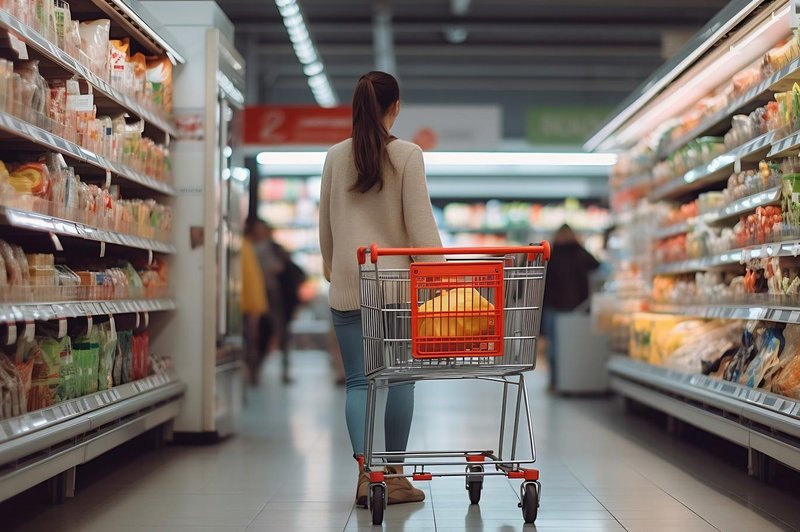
(399, 215)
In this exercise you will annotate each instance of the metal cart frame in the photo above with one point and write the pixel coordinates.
(391, 341)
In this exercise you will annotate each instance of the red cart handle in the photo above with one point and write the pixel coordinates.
(532, 251)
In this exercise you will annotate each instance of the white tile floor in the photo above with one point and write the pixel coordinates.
(290, 470)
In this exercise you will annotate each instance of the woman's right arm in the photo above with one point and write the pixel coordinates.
(325, 231)
(417, 211)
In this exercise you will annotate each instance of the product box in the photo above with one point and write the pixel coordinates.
(651, 339)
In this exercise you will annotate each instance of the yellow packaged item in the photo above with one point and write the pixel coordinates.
(470, 314)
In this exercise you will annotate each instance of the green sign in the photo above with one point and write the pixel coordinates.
(565, 125)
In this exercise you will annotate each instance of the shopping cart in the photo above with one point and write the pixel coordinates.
(474, 317)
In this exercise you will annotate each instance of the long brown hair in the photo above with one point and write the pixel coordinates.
(375, 93)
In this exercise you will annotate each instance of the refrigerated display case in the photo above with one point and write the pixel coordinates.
(209, 215)
(705, 198)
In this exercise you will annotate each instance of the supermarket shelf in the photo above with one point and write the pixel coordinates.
(790, 248)
(756, 96)
(771, 196)
(139, 23)
(22, 129)
(39, 222)
(755, 311)
(637, 181)
(718, 169)
(673, 230)
(752, 418)
(101, 88)
(40, 311)
(786, 146)
(39, 445)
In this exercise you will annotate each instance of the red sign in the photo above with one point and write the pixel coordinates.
(306, 125)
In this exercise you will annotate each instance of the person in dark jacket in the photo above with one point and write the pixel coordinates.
(566, 287)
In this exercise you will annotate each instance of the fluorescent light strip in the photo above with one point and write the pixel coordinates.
(306, 53)
(657, 85)
(434, 159)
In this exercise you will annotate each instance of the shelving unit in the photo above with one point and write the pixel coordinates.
(715, 171)
(35, 446)
(34, 221)
(23, 132)
(790, 248)
(106, 96)
(40, 311)
(762, 422)
(50, 442)
(757, 420)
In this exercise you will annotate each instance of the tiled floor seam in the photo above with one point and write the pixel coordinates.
(595, 498)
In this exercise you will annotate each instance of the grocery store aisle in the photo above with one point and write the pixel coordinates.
(289, 470)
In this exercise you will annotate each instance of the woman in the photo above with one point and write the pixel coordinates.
(566, 286)
(373, 191)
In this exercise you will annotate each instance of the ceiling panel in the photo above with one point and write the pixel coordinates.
(517, 53)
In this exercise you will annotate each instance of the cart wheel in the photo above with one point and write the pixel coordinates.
(377, 503)
(474, 487)
(530, 503)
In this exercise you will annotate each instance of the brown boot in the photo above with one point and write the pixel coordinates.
(362, 490)
(401, 490)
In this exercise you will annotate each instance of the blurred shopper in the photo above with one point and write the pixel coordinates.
(282, 280)
(253, 303)
(566, 286)
(373, 191)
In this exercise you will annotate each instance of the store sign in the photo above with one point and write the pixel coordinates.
(270, 125)
(566, 125)
(450, 127)
(433, 127)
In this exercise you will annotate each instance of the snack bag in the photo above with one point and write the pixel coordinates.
(460, 300)
(765, 362)
(107, 349)
(159, 76)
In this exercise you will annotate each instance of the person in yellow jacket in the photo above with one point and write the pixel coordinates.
(254, 305)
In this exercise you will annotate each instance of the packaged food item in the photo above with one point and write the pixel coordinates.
(139, 75)
(462, 301)
(123, 359)
(107, 337)
(12, 266)
(30, 178)
(765, 363)
(63, 23)
(159, 76)
(86, 354)
(94, 44)
(119, 49)
(47, 356)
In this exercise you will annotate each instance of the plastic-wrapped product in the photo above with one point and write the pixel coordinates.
(12, 266)
(31, 178)
(86, 353)
(159, 76)
(765, 363)
(135, 285)
(13, 401)
(108, 347)
(22, 260)
(118, 62)
(123, 360)
(706, 350)
(94, 43)
(46, 355)
(787, 380)
(733, 369)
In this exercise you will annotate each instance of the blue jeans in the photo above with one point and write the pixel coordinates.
(549, 332)
(400, 400)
